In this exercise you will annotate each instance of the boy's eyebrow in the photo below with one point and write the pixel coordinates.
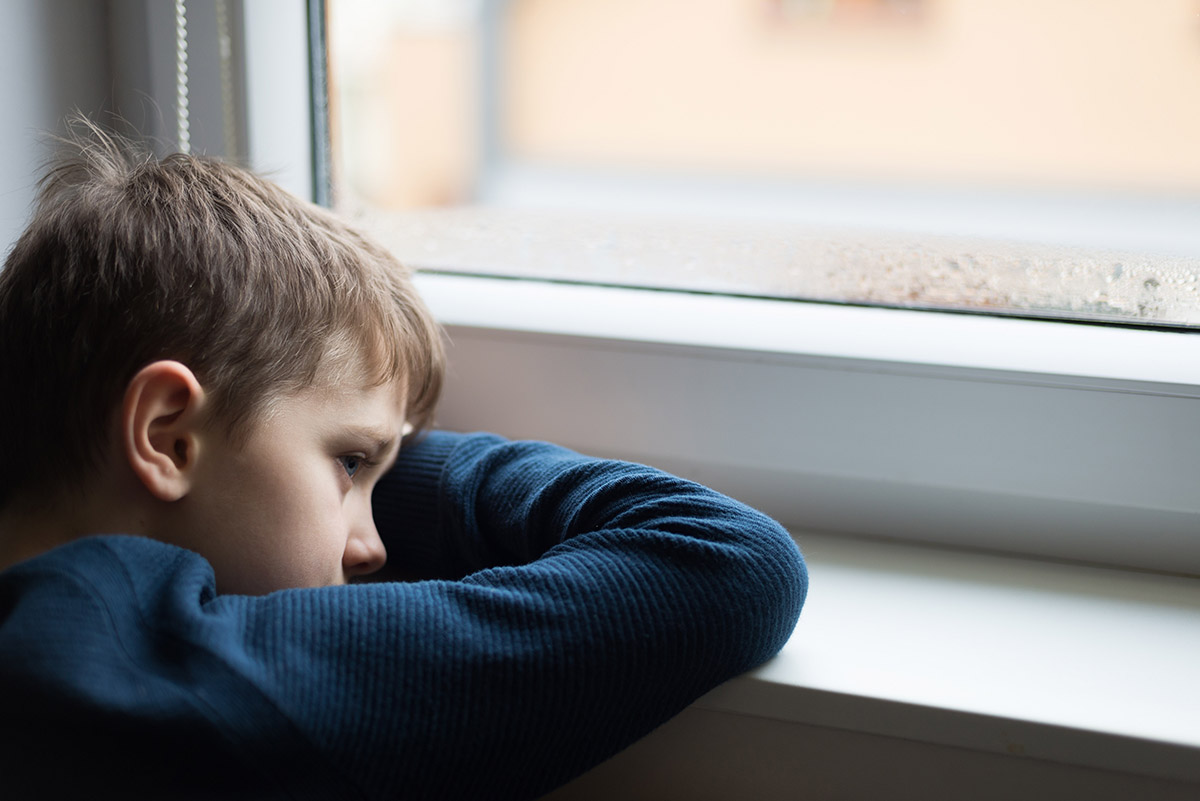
(381, 440)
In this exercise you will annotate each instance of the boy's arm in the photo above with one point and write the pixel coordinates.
(458, 503)
(593, 600)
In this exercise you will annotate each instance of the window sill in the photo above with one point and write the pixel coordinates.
(929, 674)
(1076, 665)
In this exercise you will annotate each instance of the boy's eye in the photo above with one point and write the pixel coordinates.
(350, 464)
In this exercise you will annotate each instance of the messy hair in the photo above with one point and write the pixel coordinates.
(130, 258)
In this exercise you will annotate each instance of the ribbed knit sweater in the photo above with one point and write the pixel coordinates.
(566, 607)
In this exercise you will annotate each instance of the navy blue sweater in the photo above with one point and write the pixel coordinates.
(567, 607)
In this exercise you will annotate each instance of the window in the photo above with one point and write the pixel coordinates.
(1063, 440)
(977, 156)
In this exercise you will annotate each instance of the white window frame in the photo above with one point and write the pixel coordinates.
(1046, 438)
(1064, 441)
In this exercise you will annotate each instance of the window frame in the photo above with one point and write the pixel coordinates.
(794, 422)
(1055, 439)
(274, 75)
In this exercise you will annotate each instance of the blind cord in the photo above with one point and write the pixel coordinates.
(181, 78)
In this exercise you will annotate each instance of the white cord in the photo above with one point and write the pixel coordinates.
(181, 77)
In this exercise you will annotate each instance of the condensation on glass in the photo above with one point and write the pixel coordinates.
(1008, 156)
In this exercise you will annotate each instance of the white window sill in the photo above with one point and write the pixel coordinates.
(1082, 354)
(1076, 665)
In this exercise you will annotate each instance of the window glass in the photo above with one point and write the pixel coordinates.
(1032, 157)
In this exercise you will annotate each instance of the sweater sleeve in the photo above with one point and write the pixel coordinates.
(582, 603)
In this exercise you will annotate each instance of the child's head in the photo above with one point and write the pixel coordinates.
(132, 261)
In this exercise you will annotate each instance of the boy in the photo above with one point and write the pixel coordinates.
(205, 381)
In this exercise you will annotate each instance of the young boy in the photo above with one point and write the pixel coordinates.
(206, 384)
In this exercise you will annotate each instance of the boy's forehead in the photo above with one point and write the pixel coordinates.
(365, 417)
(347, 392)
(349, 362)
(343, 402)
(354, 398)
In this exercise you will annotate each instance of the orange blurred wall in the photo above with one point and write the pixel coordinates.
(1080, 93)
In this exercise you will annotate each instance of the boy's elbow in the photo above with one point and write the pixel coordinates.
(763, 591)
(784, 581)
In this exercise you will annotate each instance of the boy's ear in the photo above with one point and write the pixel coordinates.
(161, 419)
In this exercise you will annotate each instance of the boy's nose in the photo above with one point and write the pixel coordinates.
(364, 551)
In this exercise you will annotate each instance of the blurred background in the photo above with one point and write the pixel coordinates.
(927, 153)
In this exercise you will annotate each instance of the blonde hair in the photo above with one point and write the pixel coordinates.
(130, 258)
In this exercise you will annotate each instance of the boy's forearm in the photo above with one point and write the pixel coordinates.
(457, 503)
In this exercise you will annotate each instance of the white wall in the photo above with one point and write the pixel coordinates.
(53, 56)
